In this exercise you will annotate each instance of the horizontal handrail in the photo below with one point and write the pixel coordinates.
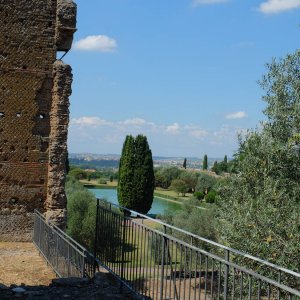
(61, 233)
(223, 261)
(75, 257)
(232, 250)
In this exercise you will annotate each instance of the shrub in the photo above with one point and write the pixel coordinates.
(78, 173)
(179, 186)
(192, 219)
(205, 183)
(211, 196)
(81, 214)
(102, 181)
(199, 195)
(82, 221)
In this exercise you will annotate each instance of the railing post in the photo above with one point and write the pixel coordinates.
(40, 230)
(56, 252)
(68, 260)
(162, 265)
(227, 256)
(96, 236)
(123, 252)
(83, 264)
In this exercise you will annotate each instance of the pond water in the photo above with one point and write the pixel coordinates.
(159, 206)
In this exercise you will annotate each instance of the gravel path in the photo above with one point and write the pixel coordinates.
(21, 263)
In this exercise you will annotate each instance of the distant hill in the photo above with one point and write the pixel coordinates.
(95, 161)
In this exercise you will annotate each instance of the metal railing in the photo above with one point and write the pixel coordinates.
(161, 261)
(66, 257)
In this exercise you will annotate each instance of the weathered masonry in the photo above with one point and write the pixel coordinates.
(34, 114)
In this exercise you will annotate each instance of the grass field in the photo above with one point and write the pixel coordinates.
(94, 182)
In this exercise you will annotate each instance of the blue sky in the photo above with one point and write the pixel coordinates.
(182, 72)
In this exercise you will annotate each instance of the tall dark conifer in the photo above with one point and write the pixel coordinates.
(143, 175)
(136, 175)
(126, 173)
(204, 167)
(184, 163)
(225, 164)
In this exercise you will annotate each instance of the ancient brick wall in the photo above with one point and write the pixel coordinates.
(31, 33)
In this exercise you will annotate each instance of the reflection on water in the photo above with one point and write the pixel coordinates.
(158, 206)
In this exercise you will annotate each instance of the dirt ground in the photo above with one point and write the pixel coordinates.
(21, 263)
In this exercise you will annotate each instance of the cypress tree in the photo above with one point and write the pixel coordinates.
(126, 173)
(136, 175)
(225, 164)
(204, 162)
(225, 159)
(143, 175)
(184, 163)
(215, 167)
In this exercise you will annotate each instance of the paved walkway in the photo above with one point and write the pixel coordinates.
(21, 263)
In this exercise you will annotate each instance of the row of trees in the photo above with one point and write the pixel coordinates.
(104, 174)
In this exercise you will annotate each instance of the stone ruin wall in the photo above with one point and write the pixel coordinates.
(34, 115)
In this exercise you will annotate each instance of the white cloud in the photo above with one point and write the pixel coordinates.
(94, 134)
(204, 2)
(100, 43)
(134, 121)
(173, 129)
(236, 115)
(277, 6)
(89, 121)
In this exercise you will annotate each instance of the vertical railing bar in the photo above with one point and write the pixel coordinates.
(279, 281)
(164, 279)
(116, 240)
(233, 283)
(125, 250)
(134, 256)
(56, 252)
(128, 241)
(241, 287)
(68, 260)
(219, 280)
(184, 274)
(196, 274)
(190, 269)
(107, 239)
(122, 251)
(162, 266)
(96, 236)
(157, 255)
(175, 273)
(206, 270)
(268, 291)
(212, 279)
(250, 286)
(180, 271)
(171, 267)
(150, 262)
(144, 234)
(141, 234)
(258, 290)
(111, 243)
(227, 257)
(146, 251)
(200, 275)
(132, 251)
